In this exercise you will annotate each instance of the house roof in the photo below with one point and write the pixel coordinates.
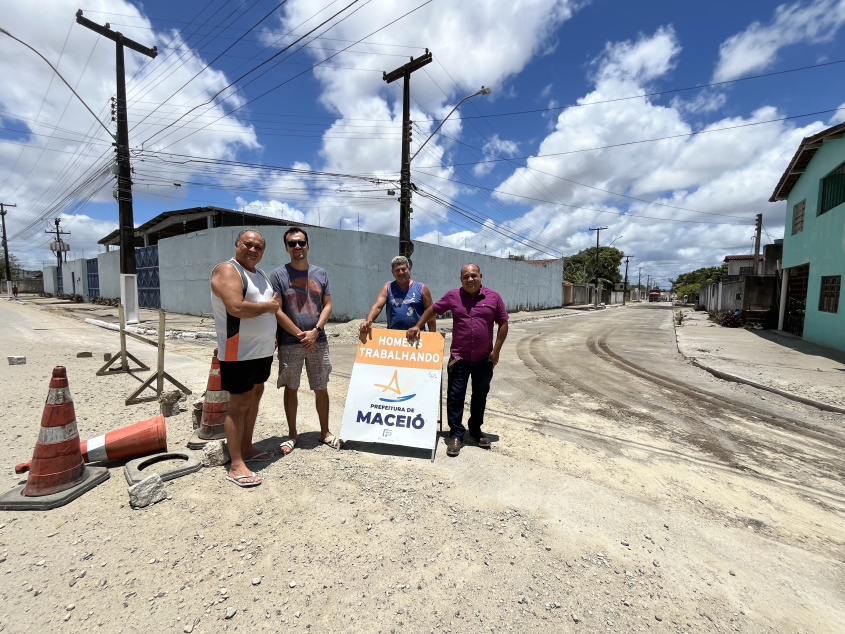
(182, 221)
(750, 256)
(802, 158)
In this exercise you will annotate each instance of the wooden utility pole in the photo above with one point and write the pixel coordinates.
(3, 213)
(126, 221)
(406, 247)
(598, 231)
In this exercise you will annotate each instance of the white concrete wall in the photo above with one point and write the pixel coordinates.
(75, 272)
(50, 281)
(358, 264)
(108, 265)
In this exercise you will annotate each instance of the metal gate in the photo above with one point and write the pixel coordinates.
(59, 286)
(796, 299)
(146, 263)
(93, 279)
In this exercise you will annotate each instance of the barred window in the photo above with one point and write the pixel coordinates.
(829, 296)
(833, 189)
(798, 217)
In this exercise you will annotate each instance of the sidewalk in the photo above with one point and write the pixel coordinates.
(766, 359)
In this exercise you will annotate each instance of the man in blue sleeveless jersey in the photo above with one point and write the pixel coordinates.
(405, 299)
(245, 308)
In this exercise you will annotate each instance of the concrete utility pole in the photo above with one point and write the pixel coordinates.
(759, 225)
(625, 287)
(3, 213)
(406, 247)
(639, 282)
(126, 220)
(59, 244)
(598, 231)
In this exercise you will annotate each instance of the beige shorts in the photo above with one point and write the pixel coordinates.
(318, 366)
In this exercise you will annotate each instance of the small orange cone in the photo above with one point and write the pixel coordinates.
(148, 436)
(214, 409)
(58, 474)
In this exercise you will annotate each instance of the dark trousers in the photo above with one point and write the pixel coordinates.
(460, 374)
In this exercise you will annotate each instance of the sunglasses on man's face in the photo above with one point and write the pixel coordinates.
(297, 243)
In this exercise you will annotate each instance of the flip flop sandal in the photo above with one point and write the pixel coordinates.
(239, 480)
(332, 441)
(290, 444)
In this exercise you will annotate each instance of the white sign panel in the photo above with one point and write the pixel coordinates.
(394, 392)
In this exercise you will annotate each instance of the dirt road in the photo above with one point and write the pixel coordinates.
(626, 491)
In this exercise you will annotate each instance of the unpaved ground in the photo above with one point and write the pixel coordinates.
(609, 502)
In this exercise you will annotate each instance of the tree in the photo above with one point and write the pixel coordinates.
(690, 283)
(14, 263)
(581, 267)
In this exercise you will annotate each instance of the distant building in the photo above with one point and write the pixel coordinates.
(813, 187)
(742, 264)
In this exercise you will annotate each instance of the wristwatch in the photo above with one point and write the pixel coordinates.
(318, 328)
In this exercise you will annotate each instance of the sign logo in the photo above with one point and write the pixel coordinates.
(393, 386)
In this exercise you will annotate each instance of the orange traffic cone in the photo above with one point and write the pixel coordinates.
(148, 436)
(58, 474)
(214, 409)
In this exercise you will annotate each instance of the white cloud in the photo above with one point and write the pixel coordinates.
(62, 144)
(497, 147)
(756, 48)
(720, 172)
(464, 40)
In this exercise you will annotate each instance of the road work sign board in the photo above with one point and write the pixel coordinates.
(394, 392)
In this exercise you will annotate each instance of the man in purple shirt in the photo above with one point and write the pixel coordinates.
(473, 354)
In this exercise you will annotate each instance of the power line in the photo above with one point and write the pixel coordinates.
(627, 143)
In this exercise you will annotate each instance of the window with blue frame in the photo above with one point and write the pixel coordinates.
(833, 190)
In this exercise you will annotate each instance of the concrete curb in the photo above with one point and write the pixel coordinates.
(738, 379)
(725, 376)
(169, 334)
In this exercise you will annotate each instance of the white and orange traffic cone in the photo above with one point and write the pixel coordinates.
(148, 436)
(214, 409)
(57, 471)
(140, 439)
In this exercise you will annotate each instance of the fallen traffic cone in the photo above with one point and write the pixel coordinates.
(58, 473)
(214, 409)
(148, 436)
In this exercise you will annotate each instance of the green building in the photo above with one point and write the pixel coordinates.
(813, 187)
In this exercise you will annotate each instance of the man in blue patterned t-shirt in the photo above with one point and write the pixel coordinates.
(306, 307)
(405, 299)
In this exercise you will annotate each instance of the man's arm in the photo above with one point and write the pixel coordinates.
(381, 300)
(227, 284)
(427, 316)
(432, 323)
(501, 335)
(309, 340)
(287, 323)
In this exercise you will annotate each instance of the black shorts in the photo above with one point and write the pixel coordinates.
(237, 377)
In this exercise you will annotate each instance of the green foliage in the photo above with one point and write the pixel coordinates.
(14, 264)
(516, 256)
(690, 283)
(581, 267)
(727, 318)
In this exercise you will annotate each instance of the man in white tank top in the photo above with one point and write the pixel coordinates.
(245, 308)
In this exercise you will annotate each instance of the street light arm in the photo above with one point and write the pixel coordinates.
(5, 32)
(483, 91)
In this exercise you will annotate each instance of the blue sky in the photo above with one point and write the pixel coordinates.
(493, 181)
